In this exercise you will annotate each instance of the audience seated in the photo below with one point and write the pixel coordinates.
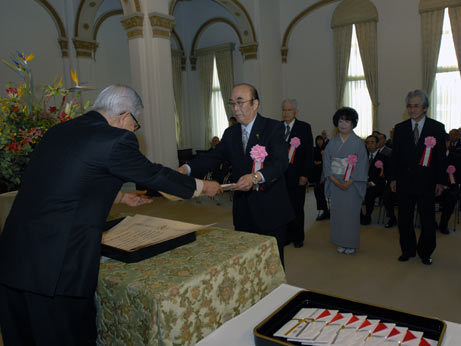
(450, 195)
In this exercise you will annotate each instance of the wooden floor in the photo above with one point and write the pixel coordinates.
(372, 275)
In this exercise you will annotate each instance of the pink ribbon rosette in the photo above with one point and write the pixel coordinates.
(294, 143)
(351, 162)
(258, 153)
(379, 164)
(430, 143)
(451, 170)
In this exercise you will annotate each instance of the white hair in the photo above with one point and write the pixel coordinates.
(117, 99)
(294, 102)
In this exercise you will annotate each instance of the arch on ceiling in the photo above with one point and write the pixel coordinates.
(62, 36)
(101, 20)
(206, 25)
(244, 26)
(295, 21)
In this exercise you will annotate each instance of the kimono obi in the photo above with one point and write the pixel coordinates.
(338, 166)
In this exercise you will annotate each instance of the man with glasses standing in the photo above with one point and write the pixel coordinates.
(260, 204)
(298, 135)
(51, 243)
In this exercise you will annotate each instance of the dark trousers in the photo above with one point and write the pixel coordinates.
(279, 234)
(389, 199)
(372, 193)
(448, 201)
(427, 242)
(295, 228)
(32, 319)
(319, 192)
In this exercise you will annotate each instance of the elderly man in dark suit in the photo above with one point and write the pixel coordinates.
(418, 175)
(50, 246)
(378, 165)
(261, 204)
(298, 135)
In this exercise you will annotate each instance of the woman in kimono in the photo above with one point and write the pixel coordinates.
(345, 166)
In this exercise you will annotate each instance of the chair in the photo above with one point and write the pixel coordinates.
(184, 156)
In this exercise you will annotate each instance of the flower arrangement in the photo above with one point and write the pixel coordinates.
(24, 119)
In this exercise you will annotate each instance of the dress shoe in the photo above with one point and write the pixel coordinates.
(390, 223)
(405, 258)
(298, 244)
(444, 230)
(324, 216)
(426, 260)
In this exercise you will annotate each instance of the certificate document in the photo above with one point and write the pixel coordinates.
(136, 232)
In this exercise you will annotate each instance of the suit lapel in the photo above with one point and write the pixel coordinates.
(256, 133)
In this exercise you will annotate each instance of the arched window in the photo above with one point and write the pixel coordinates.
(356, 56)
(445, 105)
(219, 121)
(356, 93)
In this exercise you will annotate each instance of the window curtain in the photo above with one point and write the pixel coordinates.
(366, 36)
(455, 21)
(342, 46)
(205, 68)
(431, 30)
(225, 67)
(177, 88)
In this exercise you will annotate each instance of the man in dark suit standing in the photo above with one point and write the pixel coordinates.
(378, 165)
(50, 245)
(298, 135)
(260, 204)
(418, 175)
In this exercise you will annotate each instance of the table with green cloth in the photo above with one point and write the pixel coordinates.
(179, 297)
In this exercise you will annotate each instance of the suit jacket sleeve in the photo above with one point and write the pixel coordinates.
(276, 162)
(127, 163)
(309, 153)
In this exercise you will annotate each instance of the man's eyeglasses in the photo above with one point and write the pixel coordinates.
(238, 103)
(137, 126)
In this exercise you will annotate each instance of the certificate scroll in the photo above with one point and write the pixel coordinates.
(139, 231)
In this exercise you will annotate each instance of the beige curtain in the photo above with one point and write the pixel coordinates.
(431, 29)
(205, 68)
(455, 21)
(177, 87)
(225, 67)
(366, 36)
(342, 43)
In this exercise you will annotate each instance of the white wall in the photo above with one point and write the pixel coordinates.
(27, 27)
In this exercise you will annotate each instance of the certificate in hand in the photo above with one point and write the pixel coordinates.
(139, 231)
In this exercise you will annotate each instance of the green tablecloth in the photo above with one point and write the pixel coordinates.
(179, 297)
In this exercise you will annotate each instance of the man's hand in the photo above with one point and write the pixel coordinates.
(135, 198)
(393, 186)
(302, 181)
(211, 188)
(183, 169)
(245, 183)
(439, 189)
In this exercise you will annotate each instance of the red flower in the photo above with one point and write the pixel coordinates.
(52, 109)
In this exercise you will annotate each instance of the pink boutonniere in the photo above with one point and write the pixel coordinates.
(258, 153)
(351, 162)
(430, 143)
(379, 164)
(294, 143)
(451, 170)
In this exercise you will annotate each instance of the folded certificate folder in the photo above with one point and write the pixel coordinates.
(133, 239)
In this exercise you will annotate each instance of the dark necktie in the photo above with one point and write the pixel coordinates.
(416, 133)
(287, 132)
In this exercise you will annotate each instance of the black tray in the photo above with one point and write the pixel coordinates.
(263, 333)
(146, 252)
